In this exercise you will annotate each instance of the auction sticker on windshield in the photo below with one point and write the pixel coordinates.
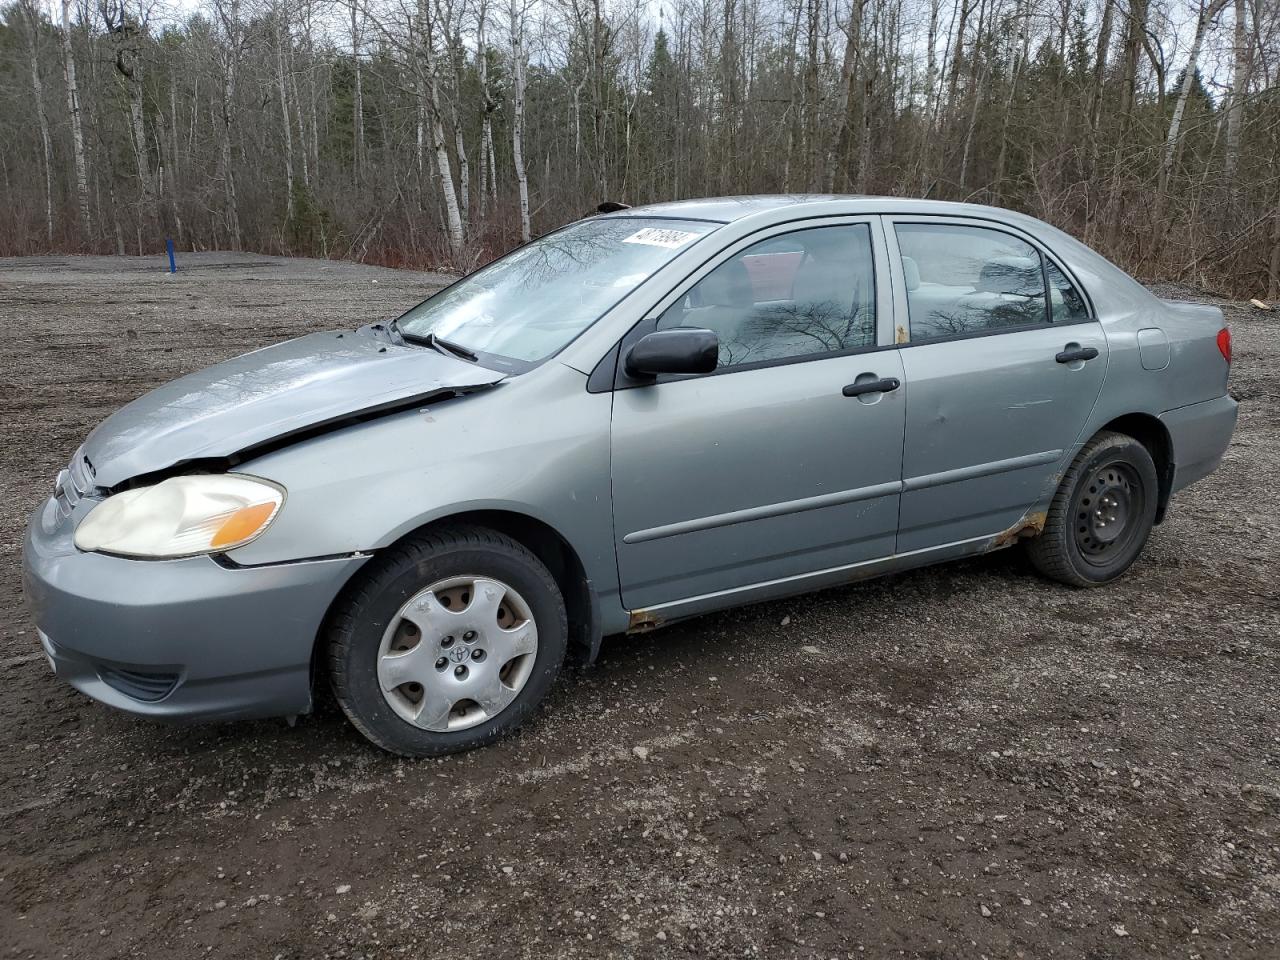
(652, 236)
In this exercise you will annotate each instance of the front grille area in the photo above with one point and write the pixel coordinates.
(139, 684)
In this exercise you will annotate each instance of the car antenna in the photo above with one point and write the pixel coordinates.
(612, 206)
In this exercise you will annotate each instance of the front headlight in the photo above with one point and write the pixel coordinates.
(181, 517)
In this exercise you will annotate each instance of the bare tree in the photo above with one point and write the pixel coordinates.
(77, 131)
(429, 106)
(1240, 54)
(126, 29)
(357, 106)
(284, 40)
(228, 12)
(517, 14)
(37, 90)
(394, 130)
(1173, 141)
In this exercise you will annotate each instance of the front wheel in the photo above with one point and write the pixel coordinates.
(1102, 514)
(448, 642)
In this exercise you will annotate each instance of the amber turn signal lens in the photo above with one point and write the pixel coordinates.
(243, 524)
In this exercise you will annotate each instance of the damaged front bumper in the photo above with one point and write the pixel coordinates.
(194, 638)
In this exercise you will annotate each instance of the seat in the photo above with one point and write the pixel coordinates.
(724, 304)
(911, 273)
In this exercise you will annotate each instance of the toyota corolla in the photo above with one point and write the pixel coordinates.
(647, 415)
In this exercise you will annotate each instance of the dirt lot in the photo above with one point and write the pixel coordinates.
(961, 762)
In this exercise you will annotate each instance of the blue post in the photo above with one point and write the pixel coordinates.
(168, 245)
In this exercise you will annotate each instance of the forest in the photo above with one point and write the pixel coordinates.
(440, 133)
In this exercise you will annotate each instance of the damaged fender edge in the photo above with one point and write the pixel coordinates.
(224, 560)
(1031, 525)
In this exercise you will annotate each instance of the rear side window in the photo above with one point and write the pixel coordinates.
(965, 280)
(1065, 303)
(798, 295)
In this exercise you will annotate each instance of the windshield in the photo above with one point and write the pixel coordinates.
(532, 302)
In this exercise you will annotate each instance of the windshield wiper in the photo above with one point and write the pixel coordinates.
(453, 348)
(434, 342)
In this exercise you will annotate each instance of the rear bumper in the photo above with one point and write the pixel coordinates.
(177, 639)
(1200, 434)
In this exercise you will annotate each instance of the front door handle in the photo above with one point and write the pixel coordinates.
(874, 386)
(1076, 352)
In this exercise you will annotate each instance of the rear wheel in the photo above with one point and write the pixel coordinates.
(449, 642)
(1102, 514)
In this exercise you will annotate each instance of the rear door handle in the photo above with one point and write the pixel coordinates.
(1073, 353)
(874, 386)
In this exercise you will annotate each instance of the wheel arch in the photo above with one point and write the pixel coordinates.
(554, 549)
(1154, 435)
(543, 541)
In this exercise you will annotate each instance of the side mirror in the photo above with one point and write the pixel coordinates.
(680, 350)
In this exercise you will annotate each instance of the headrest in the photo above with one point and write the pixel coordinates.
(1018, 275)
(911, 273)
(729, 285)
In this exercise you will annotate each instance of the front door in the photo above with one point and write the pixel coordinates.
(780, 462)
(1003, 364)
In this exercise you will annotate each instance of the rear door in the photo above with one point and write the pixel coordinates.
(781, 462)
(1003, 361)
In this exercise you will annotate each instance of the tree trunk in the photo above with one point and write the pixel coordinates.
(464, 170)
(435, 123)
(77, 133)
(457, 58)
(125, 34)
(1273, 280)
(813, 123)
(174, 168)
(597, 100)
(931, 98)
(852, 40)
(969, 131)
(729, 79)
(517, 118)
(1019, 64)
(357, 109)
(37, 89)
(486, 108)
(1174, 140)
(420, 108)
(1133, 36)
(1135, 30)
(864, 141)
(229, 14)
(1100, 71)
(1235, 106)
(286, 123)
(303, 152)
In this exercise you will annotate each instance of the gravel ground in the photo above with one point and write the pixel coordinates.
(965, 761)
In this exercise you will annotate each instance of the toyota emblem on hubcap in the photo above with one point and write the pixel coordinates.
(458, 654)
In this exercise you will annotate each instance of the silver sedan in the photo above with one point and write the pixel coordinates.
(646, 415)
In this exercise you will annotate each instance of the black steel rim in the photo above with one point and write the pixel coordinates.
(1108, 512)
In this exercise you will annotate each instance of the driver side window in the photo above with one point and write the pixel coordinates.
(801, 294)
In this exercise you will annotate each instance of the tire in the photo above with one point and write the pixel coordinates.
(1102, 514)
(419, 679)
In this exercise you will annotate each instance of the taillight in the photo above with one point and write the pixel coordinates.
(1224, 343)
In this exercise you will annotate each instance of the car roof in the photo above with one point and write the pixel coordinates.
(729, 209)
(1094, 270)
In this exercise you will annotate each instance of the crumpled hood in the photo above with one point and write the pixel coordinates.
(271, 393)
